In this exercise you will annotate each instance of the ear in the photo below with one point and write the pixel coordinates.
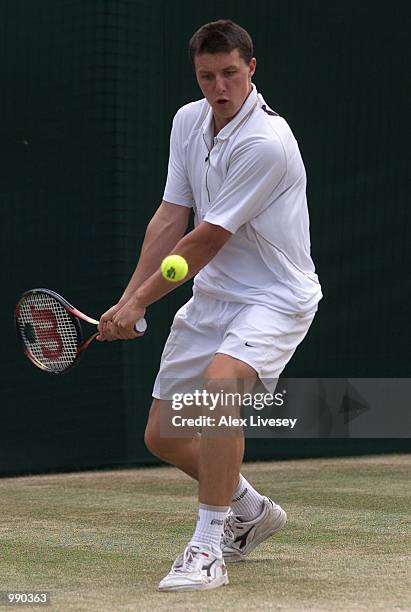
(252, 66)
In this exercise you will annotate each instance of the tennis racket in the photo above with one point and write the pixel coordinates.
(50, 330)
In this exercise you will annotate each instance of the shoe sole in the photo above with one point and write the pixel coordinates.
(222, 581)
(235, 557)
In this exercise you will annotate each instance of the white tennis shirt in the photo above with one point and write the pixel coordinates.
(250, 179)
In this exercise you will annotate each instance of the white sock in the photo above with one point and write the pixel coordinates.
(247, 503)
(210, 523)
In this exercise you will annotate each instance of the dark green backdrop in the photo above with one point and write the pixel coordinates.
(89, 88)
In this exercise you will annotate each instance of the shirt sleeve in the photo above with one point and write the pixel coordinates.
(177, 189)
(256, 169)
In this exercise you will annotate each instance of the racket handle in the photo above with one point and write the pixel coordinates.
(141, 325)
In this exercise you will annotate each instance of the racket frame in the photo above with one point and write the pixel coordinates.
(76, 315)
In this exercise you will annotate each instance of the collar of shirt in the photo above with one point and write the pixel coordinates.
(237, 121)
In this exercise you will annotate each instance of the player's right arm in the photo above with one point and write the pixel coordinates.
(167, 226)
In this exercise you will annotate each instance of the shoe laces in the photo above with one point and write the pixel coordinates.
(228, 531)
(191, 559)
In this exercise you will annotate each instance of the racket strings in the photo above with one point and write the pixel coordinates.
(48, 331)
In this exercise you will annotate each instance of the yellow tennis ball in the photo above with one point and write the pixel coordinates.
(174, 268)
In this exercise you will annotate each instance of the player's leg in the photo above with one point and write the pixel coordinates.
(226, 377)
(221, 447)
(219, 459)
(221, 484)
(195, 335)
(180, 452)
(266, 340)
(246, 503)
(183, 453)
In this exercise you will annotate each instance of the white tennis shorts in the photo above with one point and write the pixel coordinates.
(263, 338)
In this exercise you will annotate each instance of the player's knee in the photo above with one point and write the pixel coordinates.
(152, 440)
(157, 445)
(229, 375)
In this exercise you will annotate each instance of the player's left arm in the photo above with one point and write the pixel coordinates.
(198, 248)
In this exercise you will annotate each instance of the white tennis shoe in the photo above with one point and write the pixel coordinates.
(240, 538)
(196, 569)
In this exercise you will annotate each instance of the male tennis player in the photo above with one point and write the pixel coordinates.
(236, 163)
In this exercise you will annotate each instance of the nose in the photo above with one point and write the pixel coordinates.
(220, 84)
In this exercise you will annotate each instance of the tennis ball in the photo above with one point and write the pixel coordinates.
(174, 268)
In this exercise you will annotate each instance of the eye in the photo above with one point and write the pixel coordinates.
(230, 72)
(206, 77)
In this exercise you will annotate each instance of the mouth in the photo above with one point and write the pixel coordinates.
(222, 101)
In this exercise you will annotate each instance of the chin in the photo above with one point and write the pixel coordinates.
(225, 111)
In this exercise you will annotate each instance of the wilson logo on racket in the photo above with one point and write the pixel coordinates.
(50, 330)
(45, 332)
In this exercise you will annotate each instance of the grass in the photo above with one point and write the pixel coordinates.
(102, 541)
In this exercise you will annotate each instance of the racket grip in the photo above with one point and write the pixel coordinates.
(141, 325)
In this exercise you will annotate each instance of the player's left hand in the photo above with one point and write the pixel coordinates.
(121, 325)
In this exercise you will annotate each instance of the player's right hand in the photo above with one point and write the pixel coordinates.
(105, 325)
